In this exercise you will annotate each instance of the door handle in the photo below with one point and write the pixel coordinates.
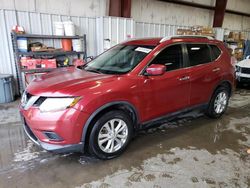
(216, 69)
(184, 78)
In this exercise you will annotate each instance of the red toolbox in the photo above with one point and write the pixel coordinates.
(48, 63)
(30, 63)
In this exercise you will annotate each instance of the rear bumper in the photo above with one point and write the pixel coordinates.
(52, 147)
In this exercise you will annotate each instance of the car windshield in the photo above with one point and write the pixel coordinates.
(120, 59)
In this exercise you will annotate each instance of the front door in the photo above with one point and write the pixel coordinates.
(169, 92)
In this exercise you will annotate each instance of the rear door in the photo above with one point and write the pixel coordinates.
(204, 70)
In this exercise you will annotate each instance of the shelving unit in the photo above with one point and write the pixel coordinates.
(56, 53)
(38, 70)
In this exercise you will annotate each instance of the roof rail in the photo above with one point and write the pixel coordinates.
(184, 36)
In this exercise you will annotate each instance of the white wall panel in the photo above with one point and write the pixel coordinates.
(113, 30)
(154, 11)
(239, 5)
(236, 22)
(7, 18)
(84, 8)
(144, 29)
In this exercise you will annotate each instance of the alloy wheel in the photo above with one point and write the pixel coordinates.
(220, 102)
(113, 135)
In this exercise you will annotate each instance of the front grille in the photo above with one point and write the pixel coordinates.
(245, 70)
(39, 101)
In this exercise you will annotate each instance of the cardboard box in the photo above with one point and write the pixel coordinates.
(242, 36)
(196, 30)
(233, 36)
(180, 32)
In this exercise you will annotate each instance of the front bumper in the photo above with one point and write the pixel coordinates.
(52, 147)
(242, 77)
(67, 124)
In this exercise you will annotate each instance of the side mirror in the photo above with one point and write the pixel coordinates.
(90, 58)
(155, 70)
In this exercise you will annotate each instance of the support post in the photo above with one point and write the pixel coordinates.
(115, 7)
(219, 13)
(126, 8)
(120, 8)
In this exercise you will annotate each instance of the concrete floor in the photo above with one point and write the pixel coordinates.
(192, 151)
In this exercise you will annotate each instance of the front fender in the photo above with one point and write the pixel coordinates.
(100, 109)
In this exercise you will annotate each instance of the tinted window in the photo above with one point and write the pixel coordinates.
(215, 52)
(171, 57)
(198, 54)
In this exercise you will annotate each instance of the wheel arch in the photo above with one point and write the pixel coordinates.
(224, 83)
(117, 105)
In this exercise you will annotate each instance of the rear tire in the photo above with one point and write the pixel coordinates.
(110, 135)
(218, 103)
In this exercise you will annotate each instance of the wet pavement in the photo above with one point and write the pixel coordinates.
(191, 151)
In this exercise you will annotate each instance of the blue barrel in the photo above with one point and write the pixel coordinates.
(6, 88)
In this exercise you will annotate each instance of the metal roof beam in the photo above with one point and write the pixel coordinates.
(208, 7)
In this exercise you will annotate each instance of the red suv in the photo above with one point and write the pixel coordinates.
(99, 107)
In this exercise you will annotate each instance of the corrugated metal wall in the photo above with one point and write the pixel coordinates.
(113, 30)
(143, 29)
(38, 23)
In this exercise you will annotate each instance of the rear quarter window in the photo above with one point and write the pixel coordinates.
(198, 54)
(216, 52)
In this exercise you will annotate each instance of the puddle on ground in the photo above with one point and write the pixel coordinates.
(182, 168)
(192, 150)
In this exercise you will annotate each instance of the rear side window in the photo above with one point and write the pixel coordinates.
(215, 52)
(171, 57)
(198, 54)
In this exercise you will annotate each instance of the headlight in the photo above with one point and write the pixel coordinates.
(57, 104)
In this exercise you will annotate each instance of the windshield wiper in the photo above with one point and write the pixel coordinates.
(92, 70)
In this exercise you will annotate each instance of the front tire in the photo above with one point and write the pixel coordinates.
(110, 135)
(218, 103)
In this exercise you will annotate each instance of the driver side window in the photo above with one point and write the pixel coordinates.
(171, 57)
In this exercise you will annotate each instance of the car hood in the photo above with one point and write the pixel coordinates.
(244, 63)
(66, 82)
